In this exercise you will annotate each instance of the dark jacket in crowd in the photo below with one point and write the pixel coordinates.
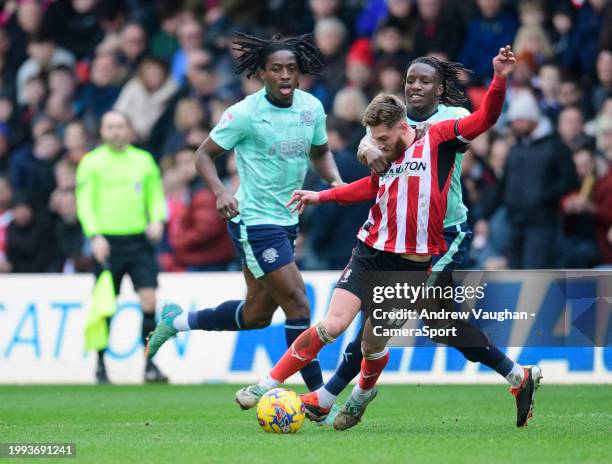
(537, 174)
(27, 247)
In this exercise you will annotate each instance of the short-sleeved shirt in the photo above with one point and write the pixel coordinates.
(456, 212)
(272, 146)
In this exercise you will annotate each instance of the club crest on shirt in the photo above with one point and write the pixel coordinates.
(270, 255)
(307, 118)
(225, 119)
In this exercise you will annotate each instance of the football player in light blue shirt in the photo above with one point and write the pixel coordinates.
(275, 134)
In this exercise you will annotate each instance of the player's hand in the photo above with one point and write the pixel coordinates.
(155, 231)
(100, 248)
(505, 62)
(227, 205)
(609, 235)
(369, 154)
(301, 198)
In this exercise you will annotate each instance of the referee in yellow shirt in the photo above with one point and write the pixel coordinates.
(121, 207)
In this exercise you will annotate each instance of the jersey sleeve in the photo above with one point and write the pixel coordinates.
(86, 198)
(465, 129)
(231, 128)
(319, 136)
(363, 189)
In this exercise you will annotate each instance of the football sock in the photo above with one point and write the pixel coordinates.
(303, 350)
(516, 375)
(360, 394)
(148, 325)
(181, 322)
(269, 383)
(371, 367)
(226, 316)
(348, 369)
(326, 399)
(311, 373)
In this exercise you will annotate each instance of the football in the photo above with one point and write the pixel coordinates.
(280, 411)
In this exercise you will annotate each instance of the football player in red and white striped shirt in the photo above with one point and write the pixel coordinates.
(404, 229)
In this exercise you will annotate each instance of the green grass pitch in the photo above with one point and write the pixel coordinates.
(407, 423)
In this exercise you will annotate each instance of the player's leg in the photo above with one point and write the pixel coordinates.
(287, 288)
(375, 358)
(344, 307)
(254, 312)
(458, 239)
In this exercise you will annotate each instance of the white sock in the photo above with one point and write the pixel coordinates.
(516, 375)
(326, 399)
(269, 383)
(181, 322)
(360, 394)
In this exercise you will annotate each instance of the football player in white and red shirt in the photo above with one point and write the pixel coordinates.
(404, 229)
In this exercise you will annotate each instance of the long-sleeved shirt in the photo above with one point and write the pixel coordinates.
(119, 192)
(411, 197)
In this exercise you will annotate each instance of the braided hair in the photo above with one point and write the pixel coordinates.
(255, 52)
(448, 72)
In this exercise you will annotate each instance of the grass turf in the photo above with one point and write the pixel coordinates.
(407, 423)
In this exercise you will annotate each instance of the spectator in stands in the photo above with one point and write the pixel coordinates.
(145, 97)
(388, 76)
(6, 216)
(579, 248)
(188, 115)
(133, 44)
(5, 147)
(486, 33)
(69, 253)
(349, 105)
(389, 42)
(538, 171)
(59, 108)
(164, 42)
(100, 94)
(191, 38)
(561, 34)
(74, 24)
(333, 228)
(571, 128)
(44, 55)
(199, 237)
(62, 82)
(438, 27)
(531, 40)
(330, 36)
(359, 64)
(603, 87)
(27, 244)
(76, 141)
(584, 42)
(549, 84)
(40, 176)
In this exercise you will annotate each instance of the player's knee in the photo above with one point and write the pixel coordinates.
(334, 326)
(147, 303)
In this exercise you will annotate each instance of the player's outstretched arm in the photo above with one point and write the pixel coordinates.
(227, 205)
(365, 188)
(324, 165)
(475, 124)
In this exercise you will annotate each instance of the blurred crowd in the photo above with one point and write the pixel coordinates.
(538, 186)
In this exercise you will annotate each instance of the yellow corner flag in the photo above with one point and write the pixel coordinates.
(103, 305)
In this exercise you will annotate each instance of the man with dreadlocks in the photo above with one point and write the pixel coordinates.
(432, 94)
(273, 133)
(403, 231)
